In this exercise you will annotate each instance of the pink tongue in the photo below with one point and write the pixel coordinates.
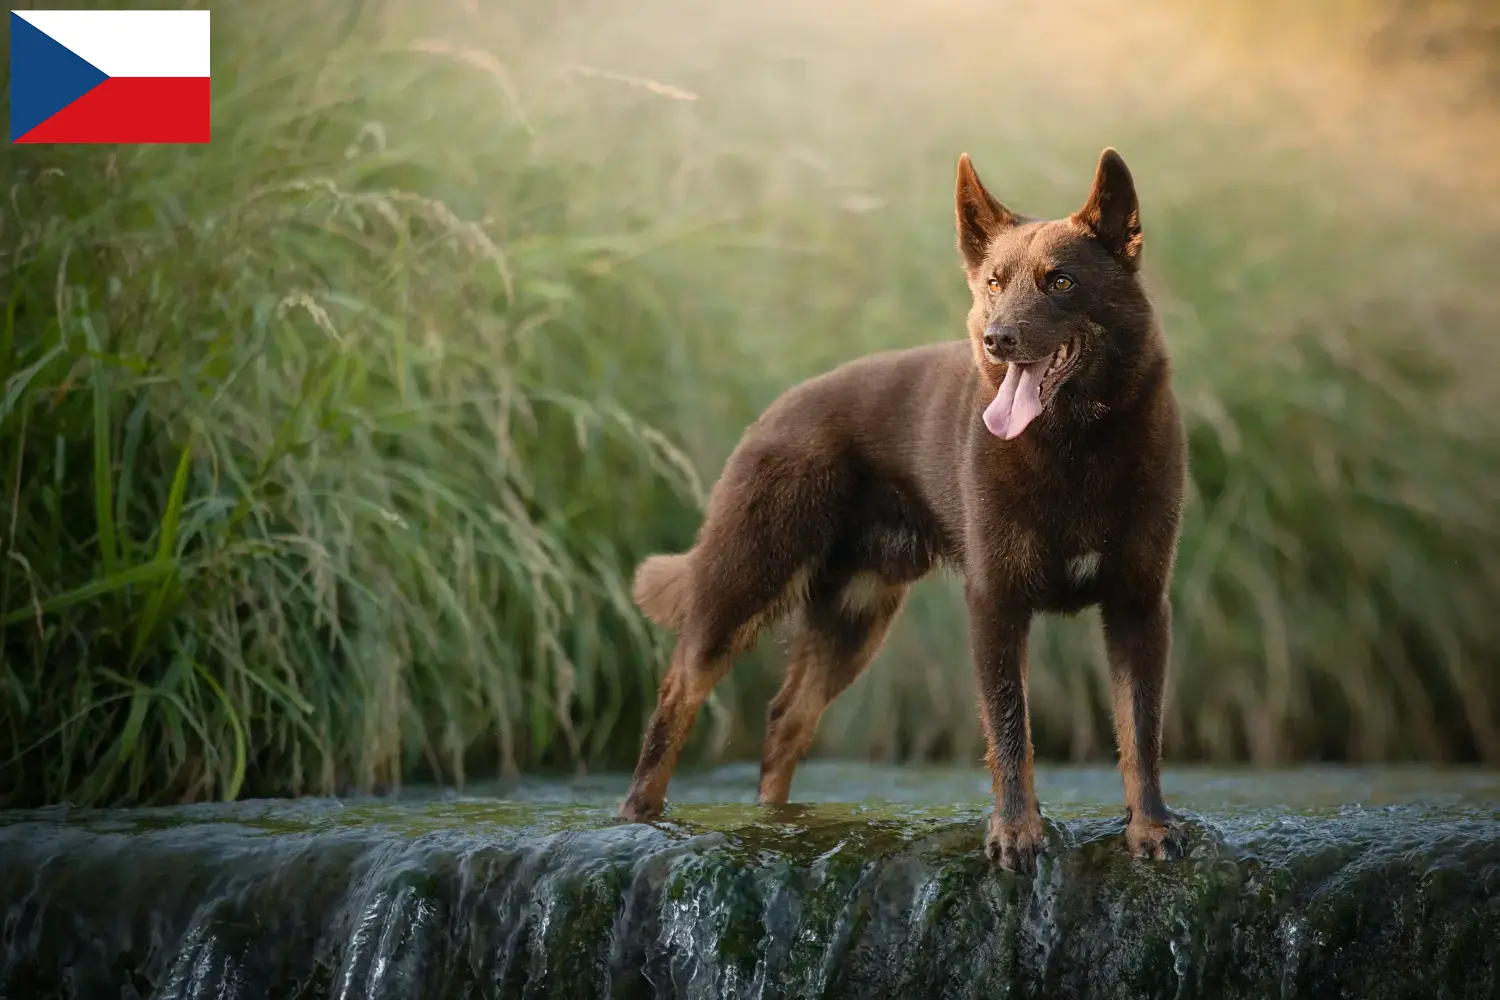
(1017, 403)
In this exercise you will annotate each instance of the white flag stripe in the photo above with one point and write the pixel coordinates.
(130, 42)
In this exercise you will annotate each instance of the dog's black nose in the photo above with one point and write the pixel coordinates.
(1000, 337)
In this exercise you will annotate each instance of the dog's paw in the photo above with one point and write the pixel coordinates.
(1016, 845)
(638, 810)
(1155, 839)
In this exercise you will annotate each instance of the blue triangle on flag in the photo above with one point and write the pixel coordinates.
(45, 77)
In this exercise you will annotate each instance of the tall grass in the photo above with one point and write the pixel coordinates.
(326, 449)
(312, 458)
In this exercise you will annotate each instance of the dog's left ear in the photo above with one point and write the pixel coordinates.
(1112, 212)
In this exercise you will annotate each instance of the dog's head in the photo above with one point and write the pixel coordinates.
(1050, 297)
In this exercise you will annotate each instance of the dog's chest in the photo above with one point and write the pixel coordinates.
(1066, 574)
(1046, 530)
(1067, 551)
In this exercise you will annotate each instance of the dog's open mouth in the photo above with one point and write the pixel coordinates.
(1027, 390)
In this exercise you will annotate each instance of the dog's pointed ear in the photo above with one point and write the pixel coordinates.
(980, 216)
(1112, 211)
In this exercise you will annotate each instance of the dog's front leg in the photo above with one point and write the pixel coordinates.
(1138, 638)
(998, 630)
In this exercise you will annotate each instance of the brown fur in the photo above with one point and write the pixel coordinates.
(660, 587)
(857, 483)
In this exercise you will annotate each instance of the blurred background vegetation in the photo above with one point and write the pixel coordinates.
(326, 450)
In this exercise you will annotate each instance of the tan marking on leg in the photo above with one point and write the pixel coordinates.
(683, 690)
(829, 651)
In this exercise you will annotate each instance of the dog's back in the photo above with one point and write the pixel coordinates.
(853, 462)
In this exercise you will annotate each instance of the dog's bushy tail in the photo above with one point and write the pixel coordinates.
(661, 589)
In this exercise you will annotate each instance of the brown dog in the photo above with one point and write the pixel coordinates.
(1044, 460)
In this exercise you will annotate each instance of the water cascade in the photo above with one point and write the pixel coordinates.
(874, 885)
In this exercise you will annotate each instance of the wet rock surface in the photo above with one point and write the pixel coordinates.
(1309, 884)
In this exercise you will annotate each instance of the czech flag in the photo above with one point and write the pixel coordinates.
(109, 76)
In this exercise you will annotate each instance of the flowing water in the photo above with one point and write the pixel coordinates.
(1310, 883)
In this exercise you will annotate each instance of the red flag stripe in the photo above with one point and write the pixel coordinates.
(132, 109)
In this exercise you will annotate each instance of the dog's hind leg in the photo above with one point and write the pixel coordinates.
(766, 531)
(839, 632)
(715, 632)
(689, 679)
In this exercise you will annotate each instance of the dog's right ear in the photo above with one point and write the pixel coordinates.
(980, 217)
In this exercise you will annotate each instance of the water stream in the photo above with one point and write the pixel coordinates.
(1313, 883)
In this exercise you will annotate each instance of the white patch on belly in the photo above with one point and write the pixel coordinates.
(862, 592)
(1081, 569)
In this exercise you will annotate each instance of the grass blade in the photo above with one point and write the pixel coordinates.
(136, 575)
(237, 776)
(166, 549)
(104, 511)
(17, 383)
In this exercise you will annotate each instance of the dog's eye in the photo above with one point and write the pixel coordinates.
(994, 283)
(1060, 283)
